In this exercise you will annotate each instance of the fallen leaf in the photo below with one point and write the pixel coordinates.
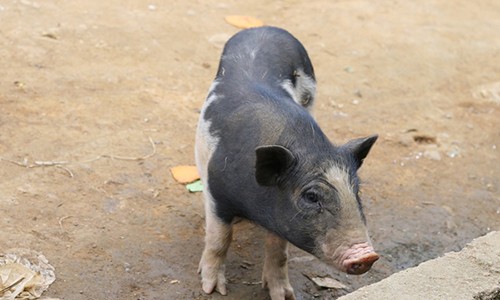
(244, 21)
(194, 187)
(185, 174)
(49, 35)
(329, 283)
(24, 274)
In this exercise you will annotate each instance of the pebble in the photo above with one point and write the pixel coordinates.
(406, 140)
(453, 152)
(432, 155)
(489, 92)
(127, 267)
(218, 40)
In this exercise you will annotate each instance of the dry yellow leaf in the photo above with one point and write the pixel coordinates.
(244, 21)
(185, 174)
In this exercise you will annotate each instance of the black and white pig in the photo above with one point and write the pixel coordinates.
(262, 157)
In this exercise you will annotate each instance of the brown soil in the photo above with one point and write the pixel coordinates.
(91, 82)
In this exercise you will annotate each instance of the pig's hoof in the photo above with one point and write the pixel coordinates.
(279, 290)
(213, 280)
(218, 284)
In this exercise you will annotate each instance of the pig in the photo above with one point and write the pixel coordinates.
(262, 157)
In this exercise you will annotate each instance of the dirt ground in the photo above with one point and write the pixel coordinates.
(98, 99)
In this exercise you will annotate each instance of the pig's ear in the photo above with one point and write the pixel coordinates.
(360, 148)
(272, 161)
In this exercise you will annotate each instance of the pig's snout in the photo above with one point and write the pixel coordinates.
(359, 259)
(362, 264)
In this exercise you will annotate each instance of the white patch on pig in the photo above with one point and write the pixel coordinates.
(339, 178)
(211, 90)
(205, 143)
(304, 91)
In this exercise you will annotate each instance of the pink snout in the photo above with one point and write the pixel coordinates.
(359, 259)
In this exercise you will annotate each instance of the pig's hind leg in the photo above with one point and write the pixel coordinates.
(275, 272)
(217, 239)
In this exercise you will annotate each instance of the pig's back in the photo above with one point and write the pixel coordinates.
(264, 54)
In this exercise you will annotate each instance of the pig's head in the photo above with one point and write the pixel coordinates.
(318, 208)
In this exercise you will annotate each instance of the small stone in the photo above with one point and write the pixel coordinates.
(127, 267)
(218, 40)
(432, 155)
(418, 155)
(453, 152)
(405, 140)
(349, 69)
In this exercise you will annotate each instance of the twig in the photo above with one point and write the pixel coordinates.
(39, 163)
(12, 285)
(59, 164)
(118, 157)
(66, 169)
(153, 152)
(23, 164)
(61, 219)
(91, 160)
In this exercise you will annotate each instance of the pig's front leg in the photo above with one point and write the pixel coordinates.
(217, 239)
(275, 273)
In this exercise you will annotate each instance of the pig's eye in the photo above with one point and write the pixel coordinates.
(311, 197)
